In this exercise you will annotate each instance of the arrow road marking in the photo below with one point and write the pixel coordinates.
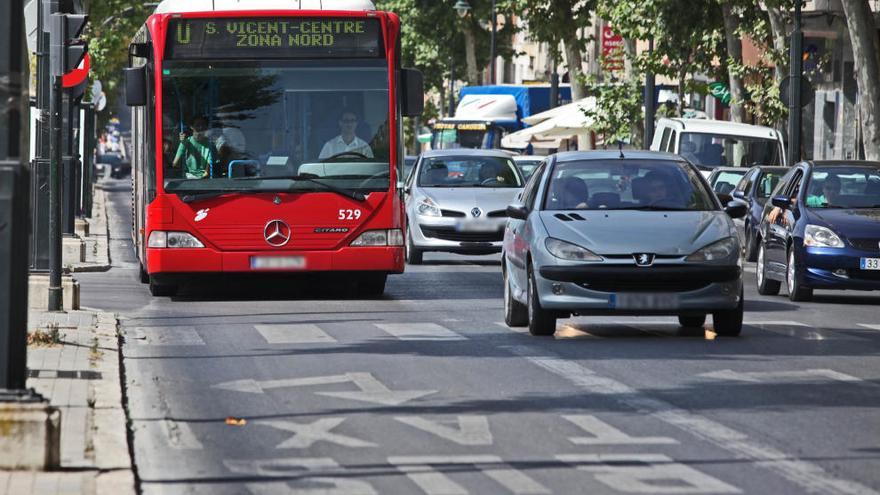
(468, 430)
(305, 435)
(605, 434)
(763, 376)
(371, 389)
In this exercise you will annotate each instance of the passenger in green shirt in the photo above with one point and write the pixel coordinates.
(830, 192)
(197, 151)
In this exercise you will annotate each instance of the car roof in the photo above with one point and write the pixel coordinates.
(466, 152)
(723, 127)
(731, 169)
(838, 163)
(571, 156)
(528, 158)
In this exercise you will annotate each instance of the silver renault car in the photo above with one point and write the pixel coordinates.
(623, 232)
(456, 201)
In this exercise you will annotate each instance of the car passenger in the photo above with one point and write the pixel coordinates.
(830, 193)
(657, 189)
(436, 174)
(571, 193)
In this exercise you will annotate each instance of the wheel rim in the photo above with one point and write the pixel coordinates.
(506, 295)
(759, 272)
(790, 272)
(531, 303)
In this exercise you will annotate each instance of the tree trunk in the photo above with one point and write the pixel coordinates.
(575, 69)
(682, 74)
(734, 52)
(637, 129)
(863, 34)
(473, 74)
(777, 29)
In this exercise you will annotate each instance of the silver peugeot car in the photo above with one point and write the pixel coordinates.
(635, 233)
(456, 201)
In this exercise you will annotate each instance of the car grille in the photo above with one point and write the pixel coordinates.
(451, 234)
(497, 214)
(646, 286)
(866, 244)
(630, 278)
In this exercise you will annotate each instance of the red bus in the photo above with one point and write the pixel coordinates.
(268, 139)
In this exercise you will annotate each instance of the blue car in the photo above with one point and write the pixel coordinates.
(821, 230)
(755, 189)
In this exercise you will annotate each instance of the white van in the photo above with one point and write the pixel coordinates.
(717, 143)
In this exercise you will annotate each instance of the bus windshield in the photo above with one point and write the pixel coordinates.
(227, 121)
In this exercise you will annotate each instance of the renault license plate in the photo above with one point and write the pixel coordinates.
(477, 226)
(869, 263)
(278, 262)
(638, 301)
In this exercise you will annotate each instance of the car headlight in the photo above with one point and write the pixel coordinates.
(390, 237)
(569, 251)
(817, 236)
(427, 207)
(717, 251)
(166, 239)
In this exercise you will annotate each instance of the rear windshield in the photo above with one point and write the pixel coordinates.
(726, 181)
(468, 171)
(844, 187)
(627, 185)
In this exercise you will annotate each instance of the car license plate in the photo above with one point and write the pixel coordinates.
(637, 300)
(477, 226)
(278, 262)
(869, 263)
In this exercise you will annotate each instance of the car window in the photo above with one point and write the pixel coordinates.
(767, 184)
(844, 187)
(725, 182)
(468, 171)
(627, 184)
(664, 141)
(722, 150)
(794, 184)
(745, 185)
(671, 147)
(531, 189)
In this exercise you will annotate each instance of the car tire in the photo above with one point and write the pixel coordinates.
(729, 322)
(796, 290)
(372, 285)
(541, 322)
(412, 253)
(143, 276)
(751, 247)
(516, 314)
(692, 321)
(766, 287)
(161, 290)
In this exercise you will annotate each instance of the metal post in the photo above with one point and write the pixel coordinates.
(55, 148)
(451, 88)
(650, 103)
(492, 79)
(554, 88)
(796, 64)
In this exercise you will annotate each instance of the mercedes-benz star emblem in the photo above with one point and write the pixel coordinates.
(276, 233)
(644, 259)
(476, 212)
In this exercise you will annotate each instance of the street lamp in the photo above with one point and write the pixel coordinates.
(462, 7)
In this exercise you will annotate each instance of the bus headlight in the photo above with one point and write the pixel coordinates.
(166, 239)
(390, 237)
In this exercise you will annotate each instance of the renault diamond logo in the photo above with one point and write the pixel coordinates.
(276, 233)
(476, 212)
(644, 259)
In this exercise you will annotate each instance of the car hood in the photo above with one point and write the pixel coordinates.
(671, 233)
(464, 199)
(850, 222)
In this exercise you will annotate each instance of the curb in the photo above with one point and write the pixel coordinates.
(97, 267)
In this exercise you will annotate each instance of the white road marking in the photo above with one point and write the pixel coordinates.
(167, 336)
(605, 434)
(371, 389)
(870, 326)
(419, 331)
(779, 376)
(803, 331)
(467, 430)
(180, 436)
(811, 477)
(317, 471)
(294, 334)
(646, 473)
(306, 434)
(423, 471)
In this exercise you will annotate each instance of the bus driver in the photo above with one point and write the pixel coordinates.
(197, 151)
(346, 141)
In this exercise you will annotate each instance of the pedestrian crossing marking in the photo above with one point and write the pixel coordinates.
(294, 334)
(419, 331)
(870, 326)
(167, 336)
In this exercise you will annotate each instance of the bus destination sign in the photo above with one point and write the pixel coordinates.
(221, 38)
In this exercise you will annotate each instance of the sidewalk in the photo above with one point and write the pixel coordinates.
(96, 243)
(73, 361)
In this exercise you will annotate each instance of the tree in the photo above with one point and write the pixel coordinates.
(863, 34)
(558, 22)
(734, 53)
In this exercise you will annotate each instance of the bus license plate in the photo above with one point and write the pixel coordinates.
(278, 262)
(869, 264)
(643, 301)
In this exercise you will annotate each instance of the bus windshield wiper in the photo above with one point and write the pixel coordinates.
(192, 197)
(356, 195)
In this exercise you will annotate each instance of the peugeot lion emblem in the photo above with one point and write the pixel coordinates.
(644, 259)
(476, 212)
(276, 233)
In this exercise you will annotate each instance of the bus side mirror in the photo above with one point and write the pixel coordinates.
(412, 92)
(136, 86)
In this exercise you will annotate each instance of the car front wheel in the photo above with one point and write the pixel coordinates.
(766, 287)
(729, 322)
(796, 290)
(413, 254)
(541, 321)
(516, 314)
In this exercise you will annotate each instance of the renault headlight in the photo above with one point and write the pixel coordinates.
(817, 236)
(427, 207)
(166, 239)
(568, 251)
(717, 251)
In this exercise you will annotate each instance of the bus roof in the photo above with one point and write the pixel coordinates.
(181, 6)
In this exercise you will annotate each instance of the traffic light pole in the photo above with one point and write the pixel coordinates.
(55, 120)
(796, 63)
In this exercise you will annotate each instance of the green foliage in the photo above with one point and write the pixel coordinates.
(617, 112)
(551, 20)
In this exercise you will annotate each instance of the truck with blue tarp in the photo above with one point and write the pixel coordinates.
(486, 113)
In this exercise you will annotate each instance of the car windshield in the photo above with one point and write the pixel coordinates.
(468, 171)
(227, 121)
(725, 182)
(844, 187)
(768, 183)
(720, 150)
(625, 184)
(528, 166)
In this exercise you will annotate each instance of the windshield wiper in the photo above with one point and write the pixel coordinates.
(356, 195)
(190, 198)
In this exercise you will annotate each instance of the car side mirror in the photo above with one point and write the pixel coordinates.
(739, 195)
(781, 202)
(518, 211)
(736, 208)
(412, 93)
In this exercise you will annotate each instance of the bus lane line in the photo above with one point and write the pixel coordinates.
(426, 472)
(808, 476)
